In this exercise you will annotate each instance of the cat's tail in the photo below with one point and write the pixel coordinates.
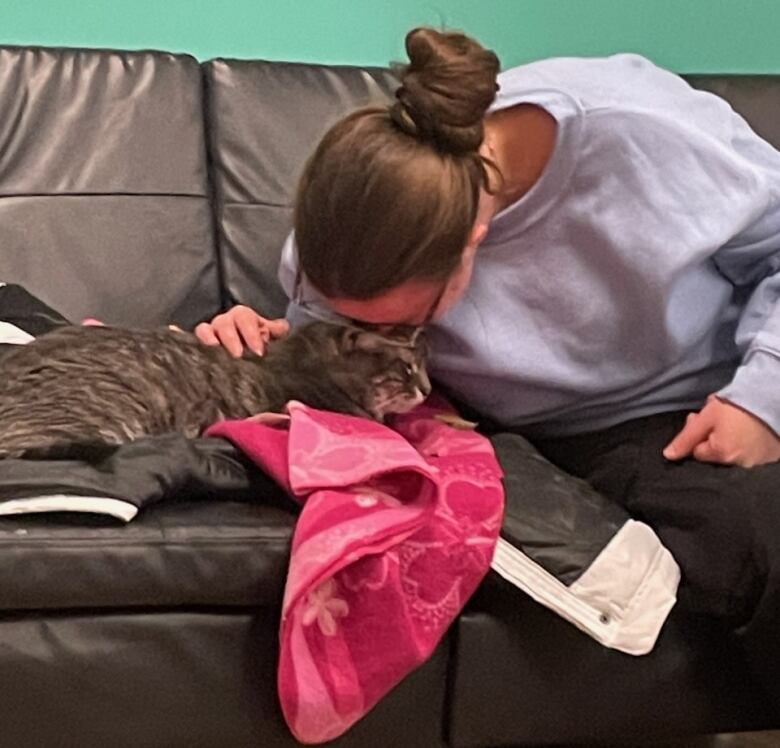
(31, 439)
(86, 451)
(40, 452)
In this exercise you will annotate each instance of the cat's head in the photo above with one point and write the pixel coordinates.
(380, 369)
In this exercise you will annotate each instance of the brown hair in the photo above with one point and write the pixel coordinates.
(391, 193)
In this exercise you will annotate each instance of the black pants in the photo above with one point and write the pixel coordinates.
(722, 524)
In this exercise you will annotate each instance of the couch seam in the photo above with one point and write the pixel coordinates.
(214, 193)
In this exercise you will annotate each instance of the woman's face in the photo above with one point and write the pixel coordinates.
(418, 302)
(415, 302)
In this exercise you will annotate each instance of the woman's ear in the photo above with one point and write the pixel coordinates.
(477, 235)
(486, 209)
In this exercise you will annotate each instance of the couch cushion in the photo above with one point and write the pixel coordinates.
(104, 205)
(264, 119)
(177, 679)
(174, 554)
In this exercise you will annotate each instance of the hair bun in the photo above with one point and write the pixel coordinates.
(445, 89)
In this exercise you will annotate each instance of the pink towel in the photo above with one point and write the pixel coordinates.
(398, 528)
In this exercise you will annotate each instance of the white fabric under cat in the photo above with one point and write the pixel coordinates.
(61, 502)
(622, 600)
(12, 334)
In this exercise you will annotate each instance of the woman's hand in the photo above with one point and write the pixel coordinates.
(724, 433)
(239, 327)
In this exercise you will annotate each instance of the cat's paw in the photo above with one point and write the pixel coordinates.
(454, 420)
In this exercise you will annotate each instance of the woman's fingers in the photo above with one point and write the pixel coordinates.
(239, 327)
(252, 329)
(278, 327)
(205, 333)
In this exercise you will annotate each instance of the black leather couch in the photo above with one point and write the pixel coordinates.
(146, 188)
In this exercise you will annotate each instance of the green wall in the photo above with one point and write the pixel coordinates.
(683, 35)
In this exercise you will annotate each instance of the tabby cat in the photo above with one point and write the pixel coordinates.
(103, 385)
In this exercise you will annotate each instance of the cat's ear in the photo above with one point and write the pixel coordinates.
(358, 339)
(349, 340)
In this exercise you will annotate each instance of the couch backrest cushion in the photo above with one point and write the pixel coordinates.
(264, 120)
(104, 206)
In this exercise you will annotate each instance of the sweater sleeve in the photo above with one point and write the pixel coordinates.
(752, 262)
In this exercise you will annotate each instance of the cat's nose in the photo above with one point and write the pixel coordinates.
(420, 396)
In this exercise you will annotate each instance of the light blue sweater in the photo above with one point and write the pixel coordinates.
(640, 274)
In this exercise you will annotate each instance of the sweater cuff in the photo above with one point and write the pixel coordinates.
(756, 387)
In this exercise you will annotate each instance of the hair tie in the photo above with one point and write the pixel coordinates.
(400, 115)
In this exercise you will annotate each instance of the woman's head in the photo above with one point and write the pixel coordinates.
(390, 197)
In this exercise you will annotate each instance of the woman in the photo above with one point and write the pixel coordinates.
(597, 247)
